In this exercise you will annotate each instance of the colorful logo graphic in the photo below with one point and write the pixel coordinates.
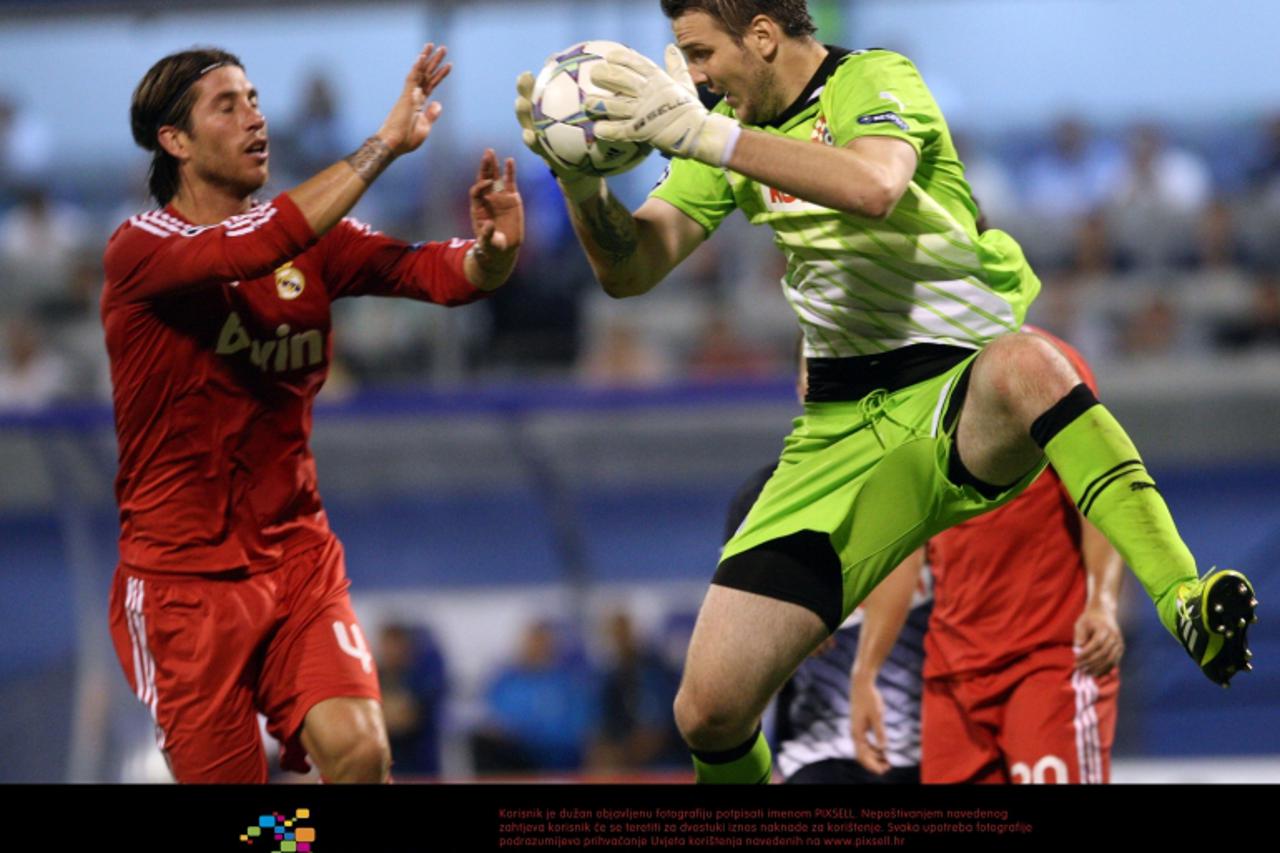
(288, 834)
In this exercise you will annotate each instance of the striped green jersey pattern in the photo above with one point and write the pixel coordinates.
(861, 286)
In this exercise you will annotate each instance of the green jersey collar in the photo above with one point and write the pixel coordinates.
(825, 70)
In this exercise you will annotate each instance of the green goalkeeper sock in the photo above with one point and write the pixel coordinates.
(748, 764)
(1100, 467)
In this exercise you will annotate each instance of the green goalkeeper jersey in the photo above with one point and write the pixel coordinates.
(859, 285)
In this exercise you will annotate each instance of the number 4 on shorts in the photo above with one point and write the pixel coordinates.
(351, 641)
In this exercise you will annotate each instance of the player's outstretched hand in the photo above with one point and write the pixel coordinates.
(866, 720)
(497, 218)
(410, 121)
(659, 107)
(1099, 642)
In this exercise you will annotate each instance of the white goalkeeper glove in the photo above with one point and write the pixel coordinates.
(660, 108)
(578, 186)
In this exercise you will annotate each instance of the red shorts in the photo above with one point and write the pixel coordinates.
(1036, 720)
(208, 653)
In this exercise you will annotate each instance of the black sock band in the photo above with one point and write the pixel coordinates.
(728, 755)
(1078, 400)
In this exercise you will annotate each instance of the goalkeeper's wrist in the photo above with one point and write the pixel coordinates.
(579, 188)
(717, 141)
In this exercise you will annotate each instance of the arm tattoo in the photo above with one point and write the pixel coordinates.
(612, 227)
(370, 159)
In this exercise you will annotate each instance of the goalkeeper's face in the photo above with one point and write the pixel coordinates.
(735, 69)
(227, 145)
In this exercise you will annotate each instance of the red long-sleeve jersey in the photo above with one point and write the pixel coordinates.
(219, 340)
(1010, 581)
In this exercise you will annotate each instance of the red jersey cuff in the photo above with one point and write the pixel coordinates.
(458, 288)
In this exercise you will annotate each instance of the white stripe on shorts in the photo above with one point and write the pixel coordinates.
(1088, 743)
(144, 665)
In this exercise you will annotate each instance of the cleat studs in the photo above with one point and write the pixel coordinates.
(1248, 667)
(1230, 634)
(1253, 602)
(1217, 608)
(1254, 620)
(1248, 655)
(1243, 621)
(1220, 628)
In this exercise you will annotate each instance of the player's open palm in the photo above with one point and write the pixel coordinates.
(410, 121)
(497, 212)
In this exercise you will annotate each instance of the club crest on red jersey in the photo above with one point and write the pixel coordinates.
(290, 282)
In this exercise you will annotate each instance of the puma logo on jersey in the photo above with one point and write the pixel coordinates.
(286, 352)
(889, 96)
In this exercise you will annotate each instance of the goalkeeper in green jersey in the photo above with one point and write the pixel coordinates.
(926, 404)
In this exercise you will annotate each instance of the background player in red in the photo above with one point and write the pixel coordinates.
(230, 598)
(1021, 651)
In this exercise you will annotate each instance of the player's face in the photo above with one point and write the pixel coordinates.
(726, 67)
(228, 139)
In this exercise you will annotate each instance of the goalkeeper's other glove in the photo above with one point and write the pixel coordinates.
(660, 108)
(578, 186)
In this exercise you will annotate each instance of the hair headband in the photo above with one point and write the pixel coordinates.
(173, 102)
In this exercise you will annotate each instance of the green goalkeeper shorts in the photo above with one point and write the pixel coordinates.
(871, 478)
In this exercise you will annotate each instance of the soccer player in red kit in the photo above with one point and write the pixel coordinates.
(230, 598)
(1022, 645)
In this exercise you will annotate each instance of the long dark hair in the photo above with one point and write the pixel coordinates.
(165, 96)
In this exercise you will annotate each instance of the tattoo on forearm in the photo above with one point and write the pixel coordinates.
(370, 159)
(612, 227)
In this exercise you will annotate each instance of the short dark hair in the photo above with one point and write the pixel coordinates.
(165, 96)
(736, 15)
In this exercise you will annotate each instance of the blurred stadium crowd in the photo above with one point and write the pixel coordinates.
(1153, 242)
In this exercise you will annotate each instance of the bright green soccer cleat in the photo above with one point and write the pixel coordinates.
(1213, 614)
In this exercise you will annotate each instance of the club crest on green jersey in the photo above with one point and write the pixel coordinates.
(821, 132)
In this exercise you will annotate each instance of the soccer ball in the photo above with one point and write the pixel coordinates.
(560, 120)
